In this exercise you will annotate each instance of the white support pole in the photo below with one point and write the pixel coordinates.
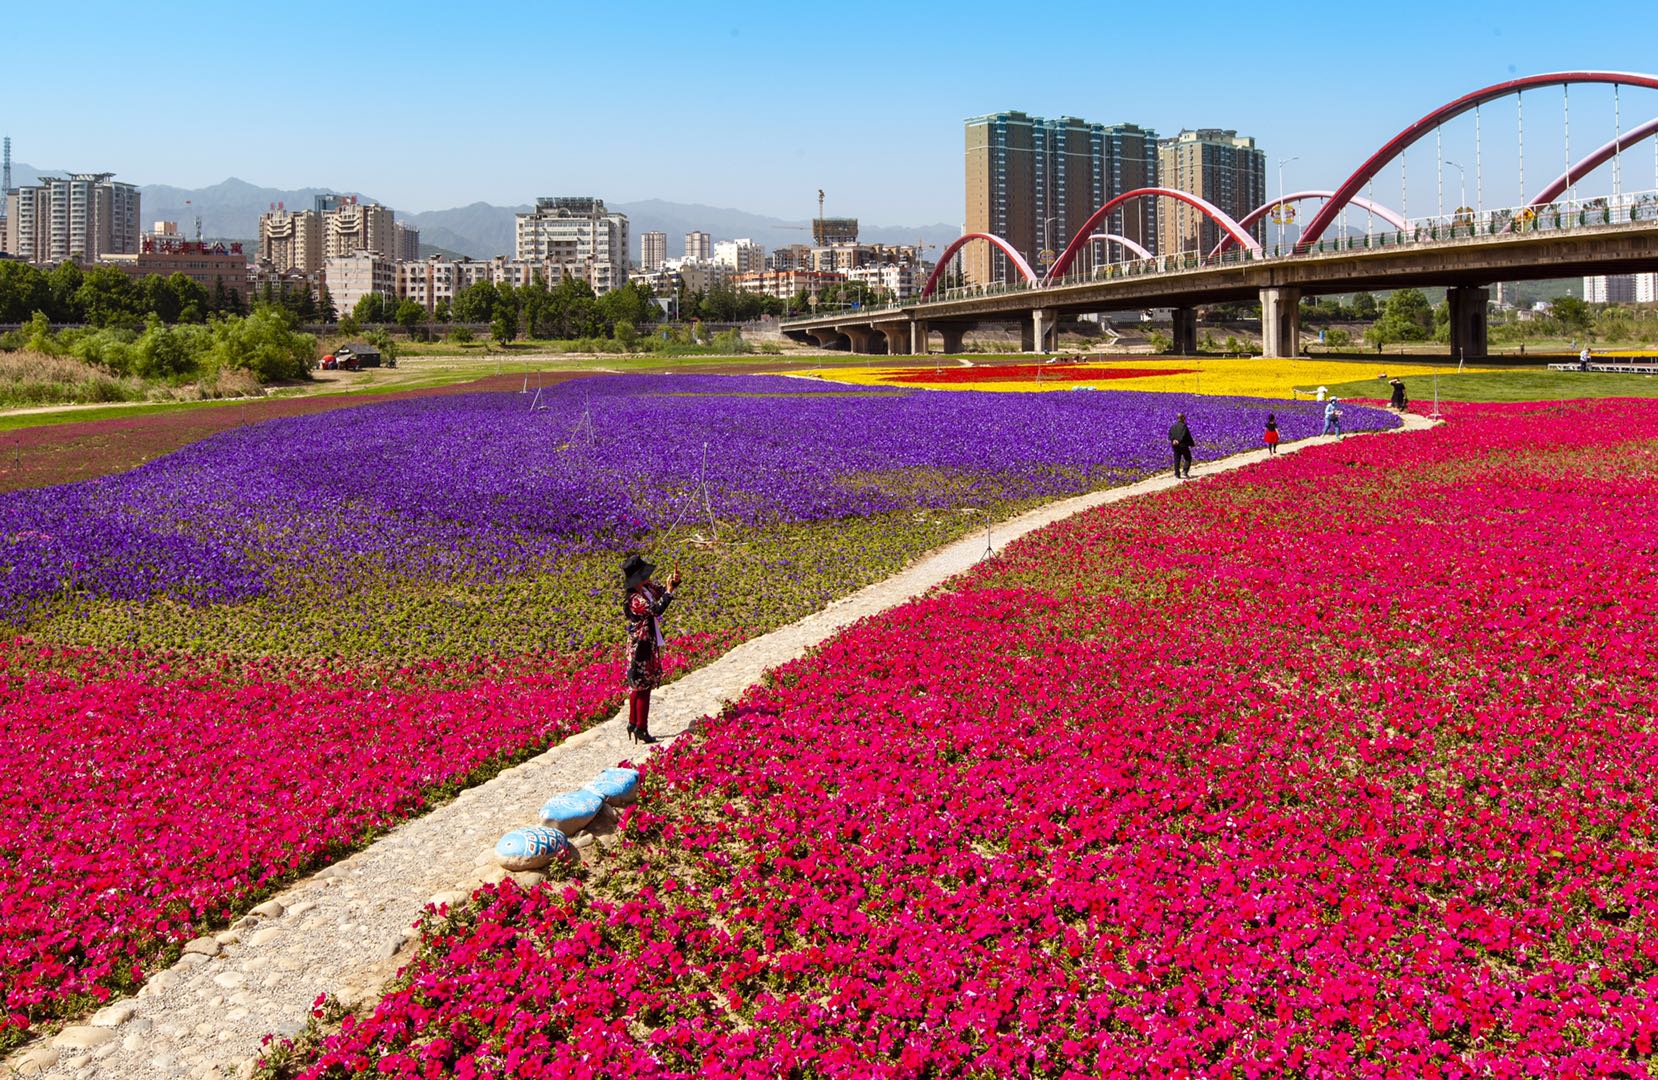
(1439, 170)
(1479, 171)
(1617, 146)
(1566, 124)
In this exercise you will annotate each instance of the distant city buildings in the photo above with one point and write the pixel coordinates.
(741, 256)
(1621, 289)
(830, 231)
(336, 226)
(1222, 167)
(699, 247)
(653, 250)
(219, 268)
(80, 218)
(577, 235)
(1035, 181)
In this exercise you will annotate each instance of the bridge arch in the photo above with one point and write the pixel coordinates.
(1203, 206)
(1392, 217)
(1138, 250)
(961, 241)
(1557, 187)
(1402, 141)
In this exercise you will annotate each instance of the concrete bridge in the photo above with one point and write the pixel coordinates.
(1463, 251)
(1466, 264)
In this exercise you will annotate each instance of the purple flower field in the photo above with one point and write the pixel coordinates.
(478, 487)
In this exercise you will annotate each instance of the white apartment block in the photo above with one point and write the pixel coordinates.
(899, 279)
(742, 256)
(699, 247)
(579, 237)
(653, 250)
(82, 217)
(1621, 289)
(429, 282)
(349, 278)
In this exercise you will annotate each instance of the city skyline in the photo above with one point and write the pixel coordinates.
(1318, 92)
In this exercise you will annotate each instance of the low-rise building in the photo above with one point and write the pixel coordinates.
(785, 284)
(351, 277)
(214, 267)
(899, 280)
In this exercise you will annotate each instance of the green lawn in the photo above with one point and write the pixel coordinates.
(1521, 384)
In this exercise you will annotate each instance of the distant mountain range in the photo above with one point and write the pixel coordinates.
(231, 209)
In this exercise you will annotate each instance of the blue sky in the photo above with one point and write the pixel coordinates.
(756, 106)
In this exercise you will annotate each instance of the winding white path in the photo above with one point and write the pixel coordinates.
(344, 930)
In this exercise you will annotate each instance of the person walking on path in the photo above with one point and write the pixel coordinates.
(1181, 442)
(1332, 417)
(642, 606)
(1272, 435)
(1398, 399)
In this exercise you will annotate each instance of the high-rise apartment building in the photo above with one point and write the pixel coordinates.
(291, 240)
(1034, 182)
(81, 217)
(578, 235)
(354, 226)
(339, 225)
(1223, 167)
(1621, 288)
(653, 250)
(699, 247)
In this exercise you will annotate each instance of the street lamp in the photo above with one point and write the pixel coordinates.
(1046, 254)
(1462, 184)
(1278, 216)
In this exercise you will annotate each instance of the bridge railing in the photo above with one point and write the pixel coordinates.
(1565, 215)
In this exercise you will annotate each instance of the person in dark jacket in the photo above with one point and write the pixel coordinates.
(643, 604)
(1398, 399)
(1181, 441)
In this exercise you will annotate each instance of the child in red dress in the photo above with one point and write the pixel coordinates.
(1272, 434)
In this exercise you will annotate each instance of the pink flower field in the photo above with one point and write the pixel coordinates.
(142, 799)
(1341, 765)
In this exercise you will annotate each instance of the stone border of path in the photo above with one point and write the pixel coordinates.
(344, 931)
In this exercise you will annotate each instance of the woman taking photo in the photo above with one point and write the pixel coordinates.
(643, 603)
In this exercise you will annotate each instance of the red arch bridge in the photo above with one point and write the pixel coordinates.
(1552, 234)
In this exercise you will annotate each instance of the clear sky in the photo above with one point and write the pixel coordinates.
(756, 106)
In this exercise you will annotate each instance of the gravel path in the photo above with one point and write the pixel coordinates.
(346, 929)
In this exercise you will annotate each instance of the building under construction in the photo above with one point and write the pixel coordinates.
(827, 232)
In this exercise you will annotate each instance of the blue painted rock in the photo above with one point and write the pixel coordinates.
(569, 812)
(618, 787)
(530, 848)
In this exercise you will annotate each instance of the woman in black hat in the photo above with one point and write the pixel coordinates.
(642, 605)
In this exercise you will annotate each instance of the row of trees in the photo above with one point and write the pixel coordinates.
(266, 343)
(105, 296)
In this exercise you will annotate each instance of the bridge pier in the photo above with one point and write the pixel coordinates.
(828, 338)
(899, 338)
(1280, 322)
(919, 343)
(1469, 321)
(865, 341)
(1184, 321)
(1042, 334)
(954, 335)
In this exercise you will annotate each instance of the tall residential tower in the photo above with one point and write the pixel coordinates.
(1034, 182)
(1223, 167)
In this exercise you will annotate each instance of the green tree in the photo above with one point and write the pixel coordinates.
(326, 311)
(265, 343)
(1363, 306)
(64, 283)
(475, 303)
(1573, 315)
(24, 290)
(410, 316)
(1407, 316)
(110, 297)
(374, 307)
(440, 311)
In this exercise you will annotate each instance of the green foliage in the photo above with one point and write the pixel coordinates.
(265, 343)
(410, 316)
(375, 308)
(1407, 316)
(1571, 314)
